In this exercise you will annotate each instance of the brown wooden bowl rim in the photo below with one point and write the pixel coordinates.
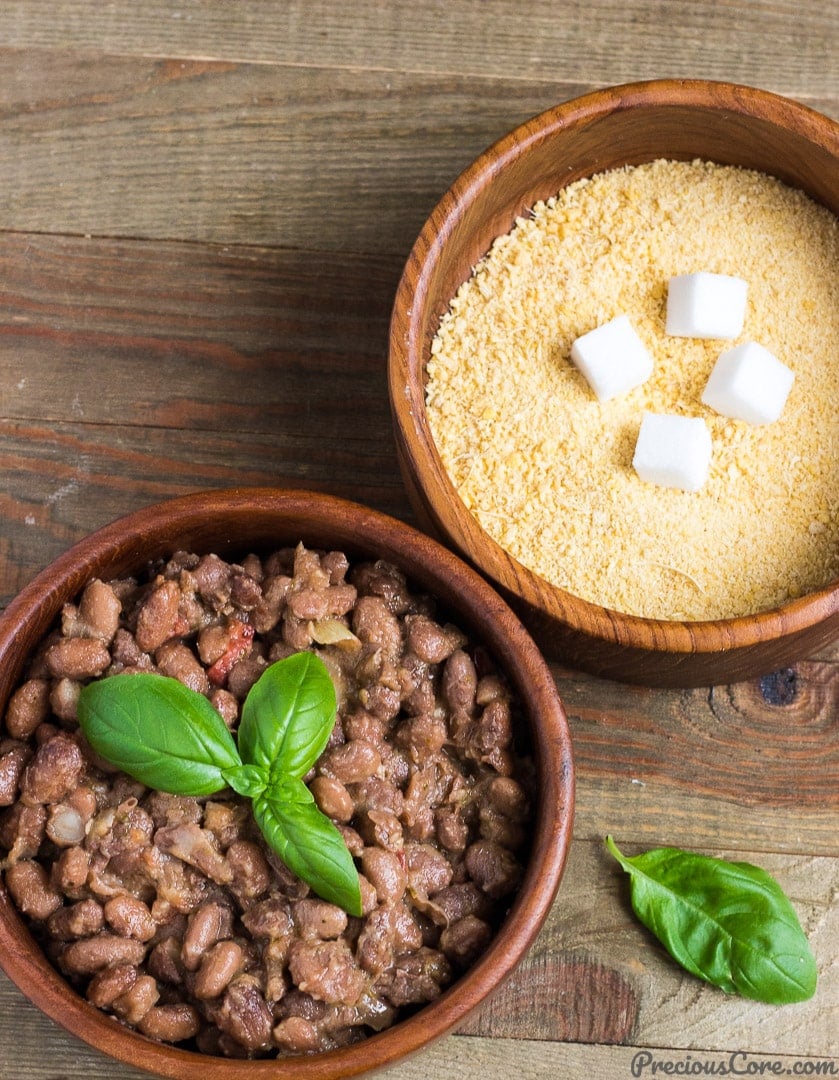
(155, 529)
(406, 389)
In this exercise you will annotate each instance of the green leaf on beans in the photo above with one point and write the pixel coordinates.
(726, 922)
(309, 844)
(288, 715)
(158, 731)
(171, 738)
(247, 780)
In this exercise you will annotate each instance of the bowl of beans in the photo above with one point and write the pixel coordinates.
(613, 379)
(195, 923)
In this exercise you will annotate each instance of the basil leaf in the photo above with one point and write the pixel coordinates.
(309, 844)
(726, 922)
(247, 780)
(158, 731)
(288, 715)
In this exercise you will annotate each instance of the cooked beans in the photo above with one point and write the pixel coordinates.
(172, 913)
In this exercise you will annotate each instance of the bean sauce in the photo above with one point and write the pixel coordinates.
(171, 913)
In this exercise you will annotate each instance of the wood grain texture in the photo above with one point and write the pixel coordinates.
(158, 334)
(224, 151)
(603, 42)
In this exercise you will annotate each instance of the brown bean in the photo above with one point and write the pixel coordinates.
(385, 872)
(452, 830)
(428, 869)
(463, 941)
(508, 797)
(64, 699)
(217, 968)
(130, 917)
(111, 983)
(54, 771)
(351, 762)
(164, 962)
(309, 604)
(340, 599)
(133, 1005)
(178, 661)
(22, 830)
(70, 870)
(212, 580)
(495, 728)
(327, 970)
(492, 867)
(319, 919)
(422, 736)
(430, 641)
(171, 1023)
(459, 682)
(28, 707)
(332, 798)
(251, 874)
(373, 623)
(226, 705)
(297, 1035)
(244, 1014)
(335, 564)
(15, 757)
(82, 919)
(210, 923)
(99, 611)
(157, 620)
(31, 890)
(89, 955)
(77, 658)
(380, 828)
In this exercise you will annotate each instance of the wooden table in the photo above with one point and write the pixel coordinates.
(205, 211)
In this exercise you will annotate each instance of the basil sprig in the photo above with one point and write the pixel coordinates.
(171, 738)
(726, 922)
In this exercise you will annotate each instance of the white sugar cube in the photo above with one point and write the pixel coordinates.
(706, 305)
(612, 358)
(674, 451)
(748, 383)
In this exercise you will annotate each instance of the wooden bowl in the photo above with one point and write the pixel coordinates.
(232, 523)
(624, 125)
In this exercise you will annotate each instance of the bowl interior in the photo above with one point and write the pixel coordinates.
(234, 523)
(627, 125)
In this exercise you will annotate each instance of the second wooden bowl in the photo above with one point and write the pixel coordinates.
(624, 125)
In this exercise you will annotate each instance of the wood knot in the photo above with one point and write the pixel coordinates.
(780, 687)
(560, 999)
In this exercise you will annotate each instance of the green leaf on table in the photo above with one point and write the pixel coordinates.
(729, 923)
(158, 731)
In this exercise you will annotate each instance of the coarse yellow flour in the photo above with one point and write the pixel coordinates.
(547, 470)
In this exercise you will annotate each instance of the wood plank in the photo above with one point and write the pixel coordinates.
(194, 336)
(63, 480)
(38, 1049)
(601, 41)
(740, 743)
(240, 153)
